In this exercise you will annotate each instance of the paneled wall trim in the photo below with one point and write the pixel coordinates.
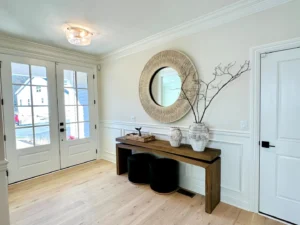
(235, 154)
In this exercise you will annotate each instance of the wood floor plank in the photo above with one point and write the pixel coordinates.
(92, 193)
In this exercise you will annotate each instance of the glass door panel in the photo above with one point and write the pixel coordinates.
(30, 126)
(76, 108)
(76, 104)
(31, 109)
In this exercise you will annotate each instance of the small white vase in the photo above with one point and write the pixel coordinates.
(175, 137)
(198, 136)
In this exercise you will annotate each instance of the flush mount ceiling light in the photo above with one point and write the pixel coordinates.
(78, 36)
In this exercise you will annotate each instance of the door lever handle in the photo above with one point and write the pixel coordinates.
(266, 144)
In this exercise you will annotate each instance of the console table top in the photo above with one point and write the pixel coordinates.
(209, 154)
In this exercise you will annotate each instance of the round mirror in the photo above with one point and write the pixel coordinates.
(165, 86)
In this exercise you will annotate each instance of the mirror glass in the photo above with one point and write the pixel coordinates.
(165, 86)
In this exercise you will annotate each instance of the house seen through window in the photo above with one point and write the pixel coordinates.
(38, 88)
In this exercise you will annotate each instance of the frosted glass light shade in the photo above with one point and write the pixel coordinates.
(78, 36)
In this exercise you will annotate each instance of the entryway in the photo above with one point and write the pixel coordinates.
(280, 136)
(49, 116)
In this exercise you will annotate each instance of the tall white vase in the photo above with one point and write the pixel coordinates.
(198, 136)
(175, 136)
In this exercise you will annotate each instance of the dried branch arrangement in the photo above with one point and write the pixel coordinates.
(207, 91)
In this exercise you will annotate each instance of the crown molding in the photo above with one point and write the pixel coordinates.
(224, 15)
(15, 46)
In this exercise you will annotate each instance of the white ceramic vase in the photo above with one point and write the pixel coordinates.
(198, 136)
(175, 136)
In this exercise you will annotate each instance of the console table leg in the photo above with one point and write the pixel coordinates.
(121, 159)
(212, 185)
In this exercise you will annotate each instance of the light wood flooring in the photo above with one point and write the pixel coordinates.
(92, 193)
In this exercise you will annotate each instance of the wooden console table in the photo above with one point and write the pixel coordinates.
(209, 160)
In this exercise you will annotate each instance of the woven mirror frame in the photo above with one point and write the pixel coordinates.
(186, 70)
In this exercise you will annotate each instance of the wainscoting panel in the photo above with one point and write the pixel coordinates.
(234, 167)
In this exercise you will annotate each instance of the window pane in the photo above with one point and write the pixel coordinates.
(38, 75)
(24, 138)
(71, 114)
(69, 78)
(72, 131)
(82, 81)
(41, 115)
(70, 96)
(83, 113)
(23, 116)
(83, 98)
(42, 135)
(20, 73)
(84, 130)
(21, 95)
(40, 95)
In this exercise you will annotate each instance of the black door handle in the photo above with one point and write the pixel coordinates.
(62, 129)
(266, 144)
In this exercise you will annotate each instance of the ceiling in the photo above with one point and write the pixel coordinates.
(117, 23)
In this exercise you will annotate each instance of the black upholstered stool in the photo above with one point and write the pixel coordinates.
(164, 175)
(138, 168)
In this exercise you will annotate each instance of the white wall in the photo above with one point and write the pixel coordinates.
(119, 99)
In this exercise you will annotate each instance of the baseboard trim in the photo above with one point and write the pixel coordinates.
(108, 156)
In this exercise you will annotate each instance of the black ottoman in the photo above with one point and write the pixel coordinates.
(164, 175)
(138, 168)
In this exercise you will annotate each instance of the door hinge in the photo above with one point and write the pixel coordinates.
(2, 101)
(96, 127)
(93, 76)
(4, 137)
(95, 102)
(96, 151)
(7, 173)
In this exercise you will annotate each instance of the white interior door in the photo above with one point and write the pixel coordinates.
(280, 124)
(77, 117)
(30, 117)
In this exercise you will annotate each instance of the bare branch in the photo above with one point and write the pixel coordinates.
(205, 91)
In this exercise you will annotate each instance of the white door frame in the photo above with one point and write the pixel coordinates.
(255, 57)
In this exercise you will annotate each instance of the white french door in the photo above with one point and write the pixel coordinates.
(49, 116)
(75, 88)
(280, 135)
(30, 117)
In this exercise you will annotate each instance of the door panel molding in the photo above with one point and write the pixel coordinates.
(255, 56)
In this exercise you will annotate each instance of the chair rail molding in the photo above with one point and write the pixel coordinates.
(235, 154)
(255, 56)
(221, 16)
(3, 165)
(15, 46)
